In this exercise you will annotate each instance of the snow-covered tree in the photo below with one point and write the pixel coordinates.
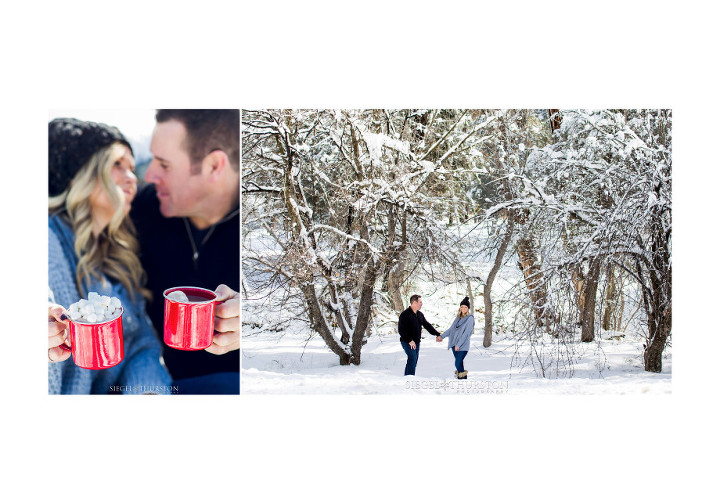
(354, 204)
(607, 188)
(348, 197)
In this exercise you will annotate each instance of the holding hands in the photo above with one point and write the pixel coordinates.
(439, 338)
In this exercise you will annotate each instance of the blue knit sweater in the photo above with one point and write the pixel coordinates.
(459, 333)
(140, 370)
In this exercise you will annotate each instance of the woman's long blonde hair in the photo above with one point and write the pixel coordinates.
(114, 251)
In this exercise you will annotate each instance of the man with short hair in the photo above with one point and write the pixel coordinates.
(410, 326)
(188, 223)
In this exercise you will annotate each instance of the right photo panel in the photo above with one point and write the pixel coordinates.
(456, 251)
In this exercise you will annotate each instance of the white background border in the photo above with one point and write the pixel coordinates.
(329, 448)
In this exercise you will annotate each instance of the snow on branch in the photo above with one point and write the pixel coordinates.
(251, 186)
(347, 236)
(376, 141)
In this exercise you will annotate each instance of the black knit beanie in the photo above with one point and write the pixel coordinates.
(465, 302)
(71, 143)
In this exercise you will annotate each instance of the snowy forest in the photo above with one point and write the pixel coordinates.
(556, 224)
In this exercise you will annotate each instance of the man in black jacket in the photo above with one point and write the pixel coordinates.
(188, 226)
(410, 326)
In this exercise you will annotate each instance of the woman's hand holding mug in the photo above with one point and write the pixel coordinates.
(57, 333)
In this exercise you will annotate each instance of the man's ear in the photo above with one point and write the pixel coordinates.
(215, 163)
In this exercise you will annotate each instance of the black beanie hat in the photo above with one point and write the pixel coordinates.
(465, 302)
(71, 143)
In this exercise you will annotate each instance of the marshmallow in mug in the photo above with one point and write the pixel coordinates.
(179, 296)
(95, 309)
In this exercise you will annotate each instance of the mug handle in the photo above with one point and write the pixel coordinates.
(65, 346)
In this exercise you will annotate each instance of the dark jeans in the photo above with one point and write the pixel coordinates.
(459, 358)
(217, 383)
(412, 356)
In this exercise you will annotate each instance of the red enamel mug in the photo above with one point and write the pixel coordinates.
(191, 325)
(96, 346)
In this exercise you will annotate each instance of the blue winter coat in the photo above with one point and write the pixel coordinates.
(459, 333)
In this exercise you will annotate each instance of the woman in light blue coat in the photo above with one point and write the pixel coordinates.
(458, 335)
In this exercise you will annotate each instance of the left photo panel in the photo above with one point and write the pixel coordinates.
(144, 251)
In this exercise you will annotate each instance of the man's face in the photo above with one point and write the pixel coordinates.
(179, 191)
(416, 305)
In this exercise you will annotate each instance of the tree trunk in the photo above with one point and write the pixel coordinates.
(396, 273)
(394, 279)
(661, 332)
(612, 295)
(367, 289)
(303, 276)
(471, 298)
(587, 318)
(659, 325)
(660, 309)
(578, 281)
(534, 280)
(320, 326)
(526, 250)
(556, 120)
(364, 312)
(487, 340)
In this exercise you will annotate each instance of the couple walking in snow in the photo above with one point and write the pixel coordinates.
(412, 321)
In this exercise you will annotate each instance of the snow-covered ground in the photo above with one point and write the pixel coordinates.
(285, 357)
(289, 366)
(293, 361)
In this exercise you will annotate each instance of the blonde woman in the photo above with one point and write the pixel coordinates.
(458, 335)
(92, 248)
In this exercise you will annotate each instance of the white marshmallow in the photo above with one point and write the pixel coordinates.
(178, 296)
(95, 309)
